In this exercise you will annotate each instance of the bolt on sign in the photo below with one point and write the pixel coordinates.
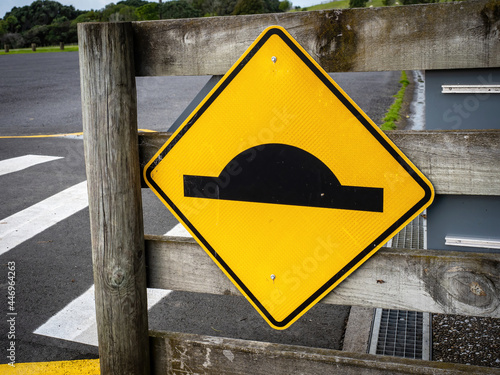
(284, 181)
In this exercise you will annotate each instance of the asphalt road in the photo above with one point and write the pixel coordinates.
(40, 95)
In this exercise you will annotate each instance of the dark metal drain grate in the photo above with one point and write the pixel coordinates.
(413, 236)
(403, 333)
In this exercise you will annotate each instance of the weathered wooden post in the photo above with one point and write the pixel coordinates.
(109, 106)
(33, 47)
(61, 46)
(6, 47)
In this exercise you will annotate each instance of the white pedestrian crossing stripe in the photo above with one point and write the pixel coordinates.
(22, 162)
(178, 231)
(33, 220)
(76, 322)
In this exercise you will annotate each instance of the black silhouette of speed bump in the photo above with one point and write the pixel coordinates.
(282, 174)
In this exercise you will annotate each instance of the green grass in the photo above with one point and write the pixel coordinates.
(339, 4)
(39, 50)
(344, 4)
(393, 113)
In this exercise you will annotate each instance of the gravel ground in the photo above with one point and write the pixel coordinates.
(466, 339)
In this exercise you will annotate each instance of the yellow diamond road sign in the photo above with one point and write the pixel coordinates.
(284, 181)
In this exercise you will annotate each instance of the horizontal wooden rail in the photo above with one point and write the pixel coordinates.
(149, 144)
(456, 162)
(420, 280)
(437, 36)
(181, 353)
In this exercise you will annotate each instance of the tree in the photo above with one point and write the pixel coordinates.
(357, 3)
(118, 13)
(126, 13)
(249, 7)
(108, 10)
(43, 22)
(147, 12)
(11, 23)
(61, 30)
(271, 6)
(213, 7)
(4, 27)
(39, 13)
(178, 9)
(134, 3)
(91, 16)
(285, 5)
(223, 7)
(14, 40)
(37, 34)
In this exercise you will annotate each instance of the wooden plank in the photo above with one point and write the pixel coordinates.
(149, 144)
(180, 353)
(109, 108)
(456, 162)
(436, 36)
(420, 280)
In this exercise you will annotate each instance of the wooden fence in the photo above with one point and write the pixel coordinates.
(439, 36)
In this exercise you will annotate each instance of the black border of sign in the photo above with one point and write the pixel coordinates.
(382, 238)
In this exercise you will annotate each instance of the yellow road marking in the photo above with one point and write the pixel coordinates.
(82, 367)
(59, 135)
(42, 135)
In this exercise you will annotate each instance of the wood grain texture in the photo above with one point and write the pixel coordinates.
(109, 108)
(179, 263)
(420, 280)
(456, 162)
(437, 36)
(198, 354)
(149, 144)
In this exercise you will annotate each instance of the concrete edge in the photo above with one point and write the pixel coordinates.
(357, 332)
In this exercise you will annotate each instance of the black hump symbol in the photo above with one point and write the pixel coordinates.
(282, 174)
